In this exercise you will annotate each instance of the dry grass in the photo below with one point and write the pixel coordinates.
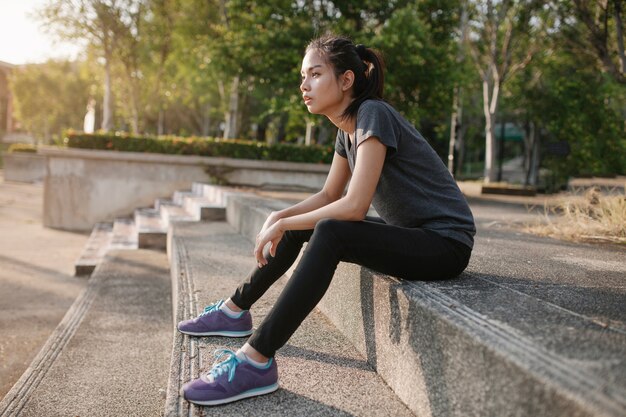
(592, 217)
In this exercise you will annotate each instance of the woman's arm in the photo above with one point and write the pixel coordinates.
(353, 206)
(336, 181)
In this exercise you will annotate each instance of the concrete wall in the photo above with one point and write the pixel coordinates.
(23, 166)
(83, 187)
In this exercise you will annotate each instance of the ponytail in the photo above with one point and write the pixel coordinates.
(366, 64)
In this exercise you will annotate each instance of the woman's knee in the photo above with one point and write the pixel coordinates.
(327, 226)
(329, 230)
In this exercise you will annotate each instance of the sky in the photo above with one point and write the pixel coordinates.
(21, 38)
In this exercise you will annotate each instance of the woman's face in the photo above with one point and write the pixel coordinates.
(322, 92)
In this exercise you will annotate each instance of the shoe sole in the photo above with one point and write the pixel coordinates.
(224, 333)
(250, 393)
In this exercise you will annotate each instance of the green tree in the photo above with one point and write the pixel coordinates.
(102, 23)
(420, 49)
(594, 28)
(504, 37)
(51, 97)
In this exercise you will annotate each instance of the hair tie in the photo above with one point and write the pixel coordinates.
(361, 50)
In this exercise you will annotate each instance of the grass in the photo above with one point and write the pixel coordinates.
(593, 217)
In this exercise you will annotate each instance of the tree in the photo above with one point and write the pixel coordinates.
(595, 28)
(501, 43)
(50, 97)
(101, 23)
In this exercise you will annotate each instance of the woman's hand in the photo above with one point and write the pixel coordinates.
(271, 235)
(271, 219)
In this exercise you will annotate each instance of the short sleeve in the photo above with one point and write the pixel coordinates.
(340, 146)
(375, 119)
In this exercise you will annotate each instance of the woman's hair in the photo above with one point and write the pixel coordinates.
(366, 64)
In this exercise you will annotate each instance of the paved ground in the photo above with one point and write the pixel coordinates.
(36, 278)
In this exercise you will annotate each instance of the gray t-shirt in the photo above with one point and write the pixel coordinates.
(415, 188)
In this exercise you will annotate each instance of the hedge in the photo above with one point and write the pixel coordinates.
(231, 148)
(22, 147)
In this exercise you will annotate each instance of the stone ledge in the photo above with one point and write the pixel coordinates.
(83, 187)
(181, 159)
(23, 167)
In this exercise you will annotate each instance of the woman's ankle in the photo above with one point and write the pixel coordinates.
(254, 354)
(234, 307)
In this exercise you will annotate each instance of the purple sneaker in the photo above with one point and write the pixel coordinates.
(231, 380)
(214, 322)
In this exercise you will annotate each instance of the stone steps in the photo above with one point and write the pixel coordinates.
(534, 328)
(148, 227)
(489, 343)
(320, 372)
(109, 355)
(95, 249)
(124, 235)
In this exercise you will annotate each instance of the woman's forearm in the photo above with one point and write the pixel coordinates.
(311, 203)
(342, 209)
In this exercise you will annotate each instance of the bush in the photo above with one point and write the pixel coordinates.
(22, 147)
(230, 148)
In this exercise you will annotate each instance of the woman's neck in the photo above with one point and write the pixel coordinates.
(348, 125)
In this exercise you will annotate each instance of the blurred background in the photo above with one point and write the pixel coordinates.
(523, 91)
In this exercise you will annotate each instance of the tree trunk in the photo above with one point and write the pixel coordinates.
(134, 91)
(456, 118)
(232, 116)
(161, 122)
(107, 107)
(454, 125)
(533, 156)
(281, 131)
(460, 146)
(308, 139)
(261, 130)
(490, 140)
(620, 36)
(206, 120)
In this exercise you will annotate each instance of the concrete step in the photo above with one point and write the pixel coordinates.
(151, 233)
(95, 249)
(505, 338)
(109, 355)
(176, 213)
(178, 197)
(320, 372)
(219, 194)
(124, 234)
(162, 202)
(203, 208)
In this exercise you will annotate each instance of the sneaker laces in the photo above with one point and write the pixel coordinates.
(211, 308)
(227, 366)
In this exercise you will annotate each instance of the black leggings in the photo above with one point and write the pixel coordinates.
(409, 253)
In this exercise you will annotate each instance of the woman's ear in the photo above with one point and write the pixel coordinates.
(347, 80)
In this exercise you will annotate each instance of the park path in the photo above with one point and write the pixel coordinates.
(37, 285)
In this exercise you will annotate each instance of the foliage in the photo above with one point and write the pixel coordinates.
(50, 97)
(195, 67)
(240, 149)
(574, 104)
(22, 147)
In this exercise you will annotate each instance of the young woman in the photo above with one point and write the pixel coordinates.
(425, 230)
